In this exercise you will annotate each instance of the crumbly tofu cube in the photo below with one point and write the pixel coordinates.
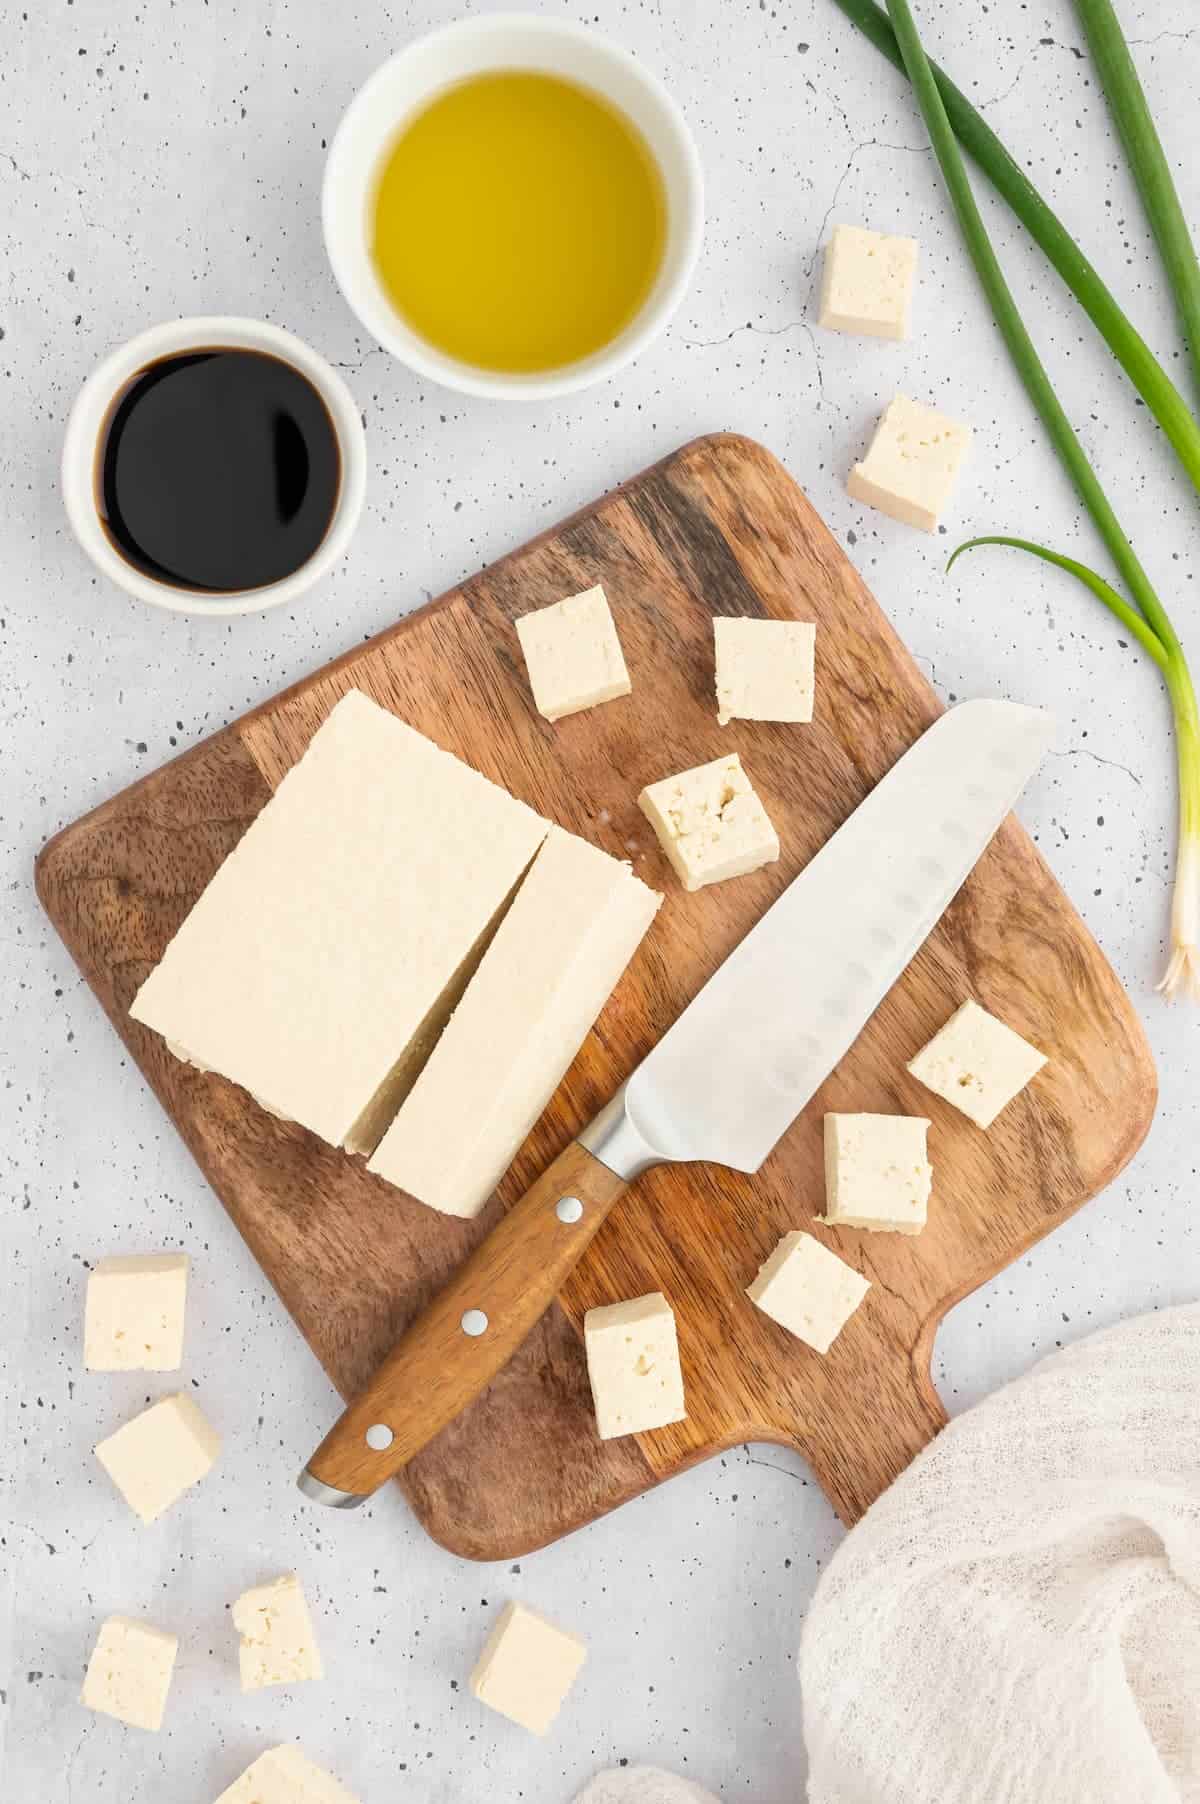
(133, 1320)
(278, 1646)
(977, 1063)
(710, 823)
(328, 950)
(573, 655)
(877, 1174)
(912, 465)
(867, 283)
(527, 1667)
(764, 669)
(285, 1775)
(129, 1673)
(158, 1456)
(557, 956)
(808, 1290)
(633, 1365)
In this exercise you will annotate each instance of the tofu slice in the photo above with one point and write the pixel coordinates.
(133, 1320)
(808, 1290)
(572, 928)
(130, 1672)
(977, 1063)
(160, 1454)
(913, 463)
(633, 1366)
(319, 965)
(278, 1645)
(573, 654)
(710, 822)
(867, 283)
(877, 1174)
(764, 669)
(527, 1666)
(285, 1775)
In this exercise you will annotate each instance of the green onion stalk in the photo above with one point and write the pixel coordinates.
(1145, 617)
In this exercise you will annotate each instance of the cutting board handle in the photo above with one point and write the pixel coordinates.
(877, 1429)
(469, 1332)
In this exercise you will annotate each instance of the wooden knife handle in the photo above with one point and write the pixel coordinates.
(472, 1328)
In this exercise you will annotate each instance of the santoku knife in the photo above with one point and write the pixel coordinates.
(723, 1084)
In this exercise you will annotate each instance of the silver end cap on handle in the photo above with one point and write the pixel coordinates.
(317, 1492)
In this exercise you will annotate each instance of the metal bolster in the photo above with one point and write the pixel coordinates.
(616, 1142)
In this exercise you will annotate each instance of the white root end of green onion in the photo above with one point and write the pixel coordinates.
(1182, 975)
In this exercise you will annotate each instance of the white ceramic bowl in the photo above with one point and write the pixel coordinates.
(90, 414)
(406, 83)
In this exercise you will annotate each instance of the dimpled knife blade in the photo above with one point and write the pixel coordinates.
(728, 1079)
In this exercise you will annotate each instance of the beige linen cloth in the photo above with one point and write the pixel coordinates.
(1017, 1620)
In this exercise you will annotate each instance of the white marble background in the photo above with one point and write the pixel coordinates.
(162, 159)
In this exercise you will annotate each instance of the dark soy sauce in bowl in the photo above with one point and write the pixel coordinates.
(218, 470)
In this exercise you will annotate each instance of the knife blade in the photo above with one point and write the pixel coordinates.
(725, 1081)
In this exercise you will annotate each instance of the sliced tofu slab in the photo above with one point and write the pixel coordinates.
(319, 965)
(557, 955)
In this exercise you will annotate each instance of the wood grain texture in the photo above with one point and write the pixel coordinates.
(717, 528)
(435, 1370)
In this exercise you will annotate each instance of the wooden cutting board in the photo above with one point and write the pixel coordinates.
(718, 528)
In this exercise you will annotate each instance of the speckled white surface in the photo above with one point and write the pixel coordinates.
(158, 161)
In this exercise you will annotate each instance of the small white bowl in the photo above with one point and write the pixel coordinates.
(92, 410)
(404, 84)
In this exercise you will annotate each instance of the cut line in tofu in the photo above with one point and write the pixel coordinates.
(319, 965)
(557, 955)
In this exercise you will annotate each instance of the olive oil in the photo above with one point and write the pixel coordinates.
(518, 222)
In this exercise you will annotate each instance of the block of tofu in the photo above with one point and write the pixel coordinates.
(527, 1667)
(977, 1063)
(285, 1775)
(557, 956)
(129, 1673)
(867, 283)
(573, 655)
(278, 1645)
(877, 1173)
(808, 1290)
(912, 465)
(764, 669)
(323, 958)
(133, 1319)
(161, 1454)
(633, 1365)
(710, 823)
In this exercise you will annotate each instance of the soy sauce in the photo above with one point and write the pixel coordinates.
(219, 470)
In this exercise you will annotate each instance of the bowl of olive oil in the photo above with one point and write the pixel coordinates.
(513, 206)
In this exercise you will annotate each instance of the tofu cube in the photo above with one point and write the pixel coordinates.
(808, 1290)
(129, 1673)
(867, 283)
(133, 1320)
(527, 1667)
(976, 1063)
(877, 1174)
(573, 655)
(285, 1775)
(912, 465)
(633, 1365)
(278, 1646)
(764, 669)
(158, 1456)
(710, 823)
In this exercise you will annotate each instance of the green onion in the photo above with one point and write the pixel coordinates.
(1147, 160)
(1046, 228)
(1183, 970)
